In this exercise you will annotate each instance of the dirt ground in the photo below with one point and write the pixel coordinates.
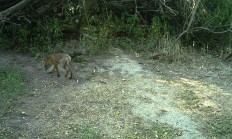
(116, 92)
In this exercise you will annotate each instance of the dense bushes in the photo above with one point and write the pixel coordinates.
(51, 22)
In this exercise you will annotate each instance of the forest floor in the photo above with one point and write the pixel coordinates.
(121, 95)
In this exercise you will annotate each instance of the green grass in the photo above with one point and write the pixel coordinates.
(219, 126)
(155, 131)
(12, 84)
(190, 99)
(86, 132)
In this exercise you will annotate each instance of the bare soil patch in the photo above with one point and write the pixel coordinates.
(120, 96)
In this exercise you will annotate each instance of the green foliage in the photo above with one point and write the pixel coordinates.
(214, 17)
(130, 25)
(110, 20)
(100, 44)
(34, 38)
(95, 44)
(12, 84)
(156, 27)
(44, 34)
(23, 35)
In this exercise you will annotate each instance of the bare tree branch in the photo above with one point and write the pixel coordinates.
(169, 8)
(190, 22)
(199, 28)
(13, 9)
(216, 32)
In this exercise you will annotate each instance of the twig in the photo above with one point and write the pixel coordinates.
(169, 8)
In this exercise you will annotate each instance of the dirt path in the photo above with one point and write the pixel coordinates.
(116, 93)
